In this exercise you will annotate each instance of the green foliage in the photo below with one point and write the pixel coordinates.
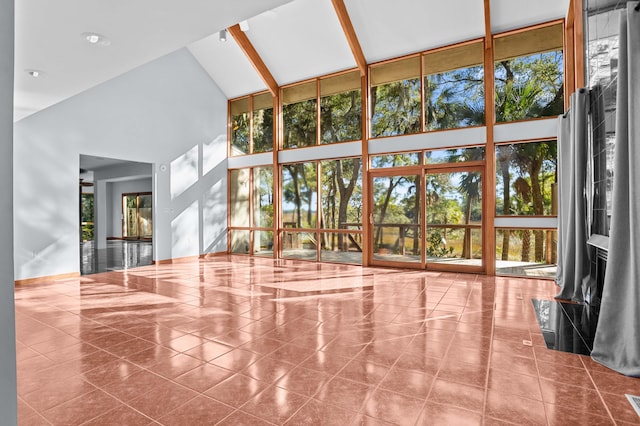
(395, 108)
(437, 246)
(454, 99)
(299, 123)
(263, 130)
(240, 132)
(529, 87)
(341, 117)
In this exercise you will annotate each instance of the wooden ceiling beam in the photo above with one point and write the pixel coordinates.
(245, 44)
(350, 33)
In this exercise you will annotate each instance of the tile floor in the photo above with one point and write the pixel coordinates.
(248, 341)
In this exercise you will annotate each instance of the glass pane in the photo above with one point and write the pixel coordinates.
(87, 217)
(525, 178)
(299, 245)
(239, 197)
(526, 252)
(529, 73)
(341, 108)
(396, 160)
(145, 216)
(341, 194)
(454, 217)
(341, 248)
(263, 243)
(240, 127)
(299, 115)
(396, 215)
(395, 98)
(130, 215)
(299, 195)
(263, 123)
(240, 242)
(454, 87)
(458, 155)
(263, 197)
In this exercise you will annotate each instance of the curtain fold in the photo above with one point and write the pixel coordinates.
(617, 339)
(573, 252)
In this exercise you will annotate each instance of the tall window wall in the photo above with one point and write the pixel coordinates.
(251, 215)
(444, 90)
(252, 123)
(322, 111)
(322, 210)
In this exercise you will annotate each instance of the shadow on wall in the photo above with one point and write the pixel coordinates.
(198, 189)
(46, 228)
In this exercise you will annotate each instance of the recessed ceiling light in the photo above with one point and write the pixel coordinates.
(34, 73)
(96, 39)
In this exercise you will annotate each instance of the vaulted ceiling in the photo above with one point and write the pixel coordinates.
(295, 39)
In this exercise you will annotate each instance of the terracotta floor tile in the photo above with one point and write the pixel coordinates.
(203, 377)
(175, 366)
(325, 362)
(245, 419)
(50, 394)
(463, 396)
(129, 388)
(121, 415)
(162, 399)
(314, 412)
(408, 382)
(268, 369)
(409, 347)
(364, 372)
(515, 384)
(303, 381)
(575, 397)
(199, 411)
(620, 408)
(208, 350)
(345, 393)
(616, 383)
(110, 372)
(81, 409)
(437, 414)
(565, 374)
(561, 416)
(394, 408)
(514, 408)
(236, 390)
(236, 360)
(470, 374)
(275, 404)
(515, 364)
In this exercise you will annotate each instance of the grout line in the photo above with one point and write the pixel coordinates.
(598, 390)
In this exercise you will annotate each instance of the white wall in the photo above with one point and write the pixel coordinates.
(169, 113)
(116, 189)
(8, 387)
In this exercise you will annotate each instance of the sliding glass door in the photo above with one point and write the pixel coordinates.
(137, 222)
(427, 217)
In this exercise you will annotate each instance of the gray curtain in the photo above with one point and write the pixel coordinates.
(617, 340)
(573, 252)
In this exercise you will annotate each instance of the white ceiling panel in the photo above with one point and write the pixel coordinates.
(300, 40)
(511, 14)
(227, 65)
(48, 38)
(387, 29)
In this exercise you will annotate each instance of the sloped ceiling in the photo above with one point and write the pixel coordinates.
(297, 39)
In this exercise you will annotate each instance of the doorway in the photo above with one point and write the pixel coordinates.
(427, 217)
(137, 216)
